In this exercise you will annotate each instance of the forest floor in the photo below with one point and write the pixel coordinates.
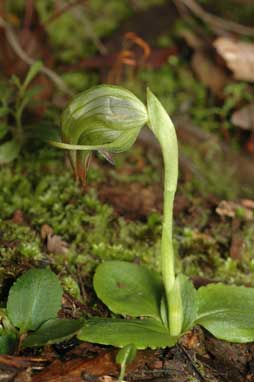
(47, 219)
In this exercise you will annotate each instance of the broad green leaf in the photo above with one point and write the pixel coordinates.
(8, 343)
(53, 331)
(118, 332)
(128, 288)
(227, 312)
(189, 303)
(9, 151)
(33, 299)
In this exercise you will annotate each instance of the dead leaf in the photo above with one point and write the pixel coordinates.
(46, 230)
(248, 203)
(238, 55)
(226, 208)
(237, 242)
(244, 117)
(56, 245)
(79, 370)
(210, 74)
(232, 209)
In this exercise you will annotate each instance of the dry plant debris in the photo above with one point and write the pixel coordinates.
(244, 117)
(238, 55)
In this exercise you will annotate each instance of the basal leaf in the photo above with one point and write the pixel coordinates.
(9, 151)
(53, 331)
(189, 303)
(33, 299)
(227, 312)
(118, 332)
(128, 288)
(8, 343)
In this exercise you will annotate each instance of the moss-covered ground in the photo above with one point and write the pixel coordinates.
(46, 218)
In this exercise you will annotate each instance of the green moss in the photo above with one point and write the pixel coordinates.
(71, 286)
(44, 190)
(208, 256)
(19, 240)
(48, 195)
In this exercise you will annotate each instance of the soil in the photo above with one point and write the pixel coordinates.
(198, 357)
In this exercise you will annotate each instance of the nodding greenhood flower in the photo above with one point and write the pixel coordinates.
(105, 118)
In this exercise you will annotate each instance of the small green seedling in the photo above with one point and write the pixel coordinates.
(110, 118)
(124, 357)
(14, 100)
(30, 318)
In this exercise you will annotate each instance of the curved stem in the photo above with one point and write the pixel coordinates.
(163, 129)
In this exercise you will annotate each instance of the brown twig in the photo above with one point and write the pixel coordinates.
(215, 21)
(20, 362)
(13, 41)
(192, 363)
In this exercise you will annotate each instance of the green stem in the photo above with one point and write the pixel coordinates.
(122, 372)
(171, 285)
(167, 250)
(163, 129)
